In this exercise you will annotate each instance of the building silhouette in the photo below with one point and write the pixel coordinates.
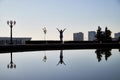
(6, 40)
(91, 35)
(78, 36)
(117, 35)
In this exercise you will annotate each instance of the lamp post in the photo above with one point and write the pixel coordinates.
(45, 31)
(11, 24)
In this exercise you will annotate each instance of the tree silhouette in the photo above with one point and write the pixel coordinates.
(103, 36)
(107, 35)
(99, 34)
(119, 39)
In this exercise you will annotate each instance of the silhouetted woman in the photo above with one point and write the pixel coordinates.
(61, 34)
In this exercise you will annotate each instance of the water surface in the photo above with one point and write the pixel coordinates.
(60, 65)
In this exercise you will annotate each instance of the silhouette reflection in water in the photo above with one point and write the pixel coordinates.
(101, 52)
(11, 65)
(44, 57)
(61, 58)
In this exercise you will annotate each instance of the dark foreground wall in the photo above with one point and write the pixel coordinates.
(57, 46)
(51, 42)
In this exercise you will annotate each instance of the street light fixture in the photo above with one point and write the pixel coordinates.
(45, 31)
(11, 24)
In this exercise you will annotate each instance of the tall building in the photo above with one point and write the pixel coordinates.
(91, 35)
(117, 35)
(78, 36)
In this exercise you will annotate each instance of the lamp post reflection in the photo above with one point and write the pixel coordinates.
(45, 57)
(61, 58)
(11, 65)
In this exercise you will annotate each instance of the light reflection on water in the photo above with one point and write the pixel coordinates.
(61, 65)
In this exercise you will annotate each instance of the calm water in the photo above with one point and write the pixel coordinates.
(60, 65)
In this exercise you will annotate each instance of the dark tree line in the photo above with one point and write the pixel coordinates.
(103, 36)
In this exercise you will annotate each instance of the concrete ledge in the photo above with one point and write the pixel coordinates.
(57, 46)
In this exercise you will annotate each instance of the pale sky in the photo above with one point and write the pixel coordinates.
(75, 15)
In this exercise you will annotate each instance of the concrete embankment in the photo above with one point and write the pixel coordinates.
(57, 46)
